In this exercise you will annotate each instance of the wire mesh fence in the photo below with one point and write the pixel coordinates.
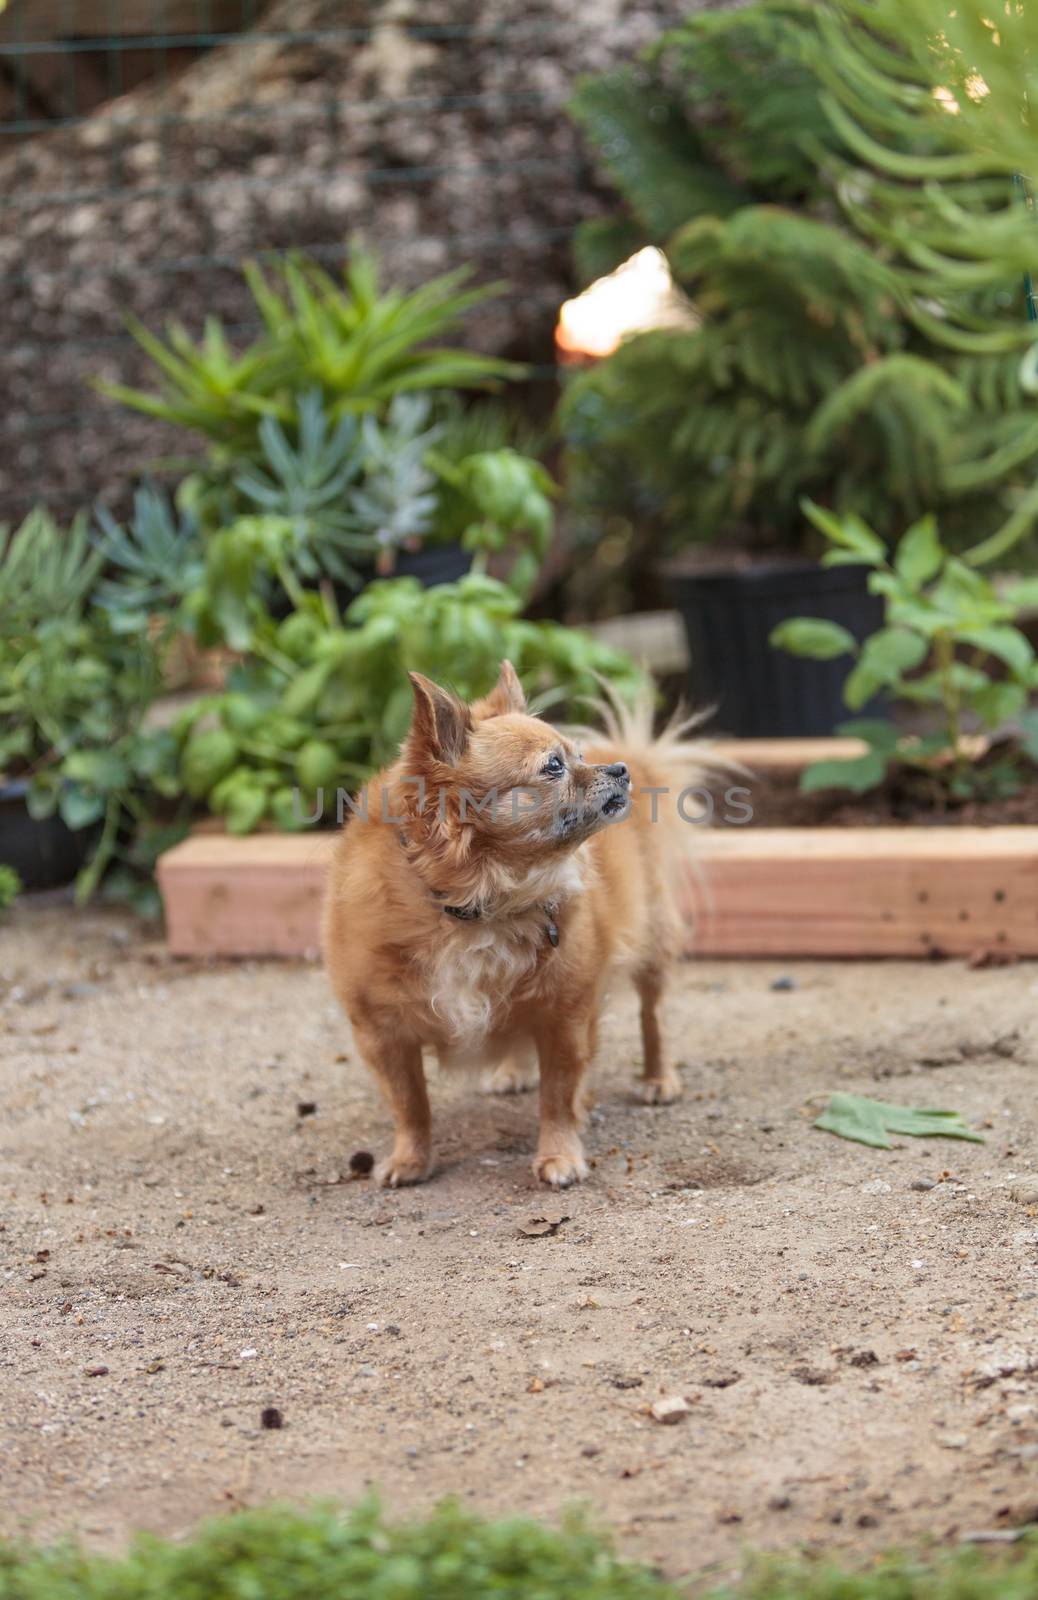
(149, 147)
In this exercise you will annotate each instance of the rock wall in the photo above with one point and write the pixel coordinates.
(434, 129)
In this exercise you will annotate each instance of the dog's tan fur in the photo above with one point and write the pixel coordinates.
(494, 991)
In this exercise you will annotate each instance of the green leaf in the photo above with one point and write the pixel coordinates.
(10, 886)
(207, 757)
(890, 652)
(812, 637)
(80, 808)
(1029, 734)
(651, 151)
(881, 735)
(245, 807)
(317, 766)
(860, 686)
(1006, 643)
(858, 775)
(1023, 595)
(871, 1122)
(100, 769)
(919, 554)
(291, 813)
(43, 796)
(999, 702)
(240, 714)
(848, 532)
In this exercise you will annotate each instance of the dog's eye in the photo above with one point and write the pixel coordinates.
(554, 767)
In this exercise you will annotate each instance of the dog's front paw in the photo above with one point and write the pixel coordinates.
(560, 1169)
(664, 1090)
(402, 1167)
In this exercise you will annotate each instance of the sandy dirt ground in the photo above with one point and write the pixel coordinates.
(856, 1331)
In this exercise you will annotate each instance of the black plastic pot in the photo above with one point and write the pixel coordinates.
(43, 851)
(761, 692)
(438, 563)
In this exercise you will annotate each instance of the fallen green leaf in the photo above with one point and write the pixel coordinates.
(851, 1116)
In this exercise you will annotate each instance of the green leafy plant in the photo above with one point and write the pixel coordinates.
(320, 436)
(508, 498)
(324, 1554)
(852, 1116)
(74, 691)
(319, 705)
(787, 156)
(323, 502)
(949, 642)
(356, 344)
(10, 887)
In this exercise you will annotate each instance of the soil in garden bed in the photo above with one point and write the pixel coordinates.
(907, 799)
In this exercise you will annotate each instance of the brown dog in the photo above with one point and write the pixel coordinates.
(492, 881)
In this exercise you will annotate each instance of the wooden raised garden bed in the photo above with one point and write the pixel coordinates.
(773, 892)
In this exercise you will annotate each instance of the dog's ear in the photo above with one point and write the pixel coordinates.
(441, 723)
(506, 695)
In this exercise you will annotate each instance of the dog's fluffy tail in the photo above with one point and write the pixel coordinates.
(671, 759)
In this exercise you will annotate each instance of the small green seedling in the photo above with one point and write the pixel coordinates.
(950, 641)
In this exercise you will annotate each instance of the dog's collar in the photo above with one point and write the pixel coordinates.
(463, 913)
(475, 913)
(550, 908)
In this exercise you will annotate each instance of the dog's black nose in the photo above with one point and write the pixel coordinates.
(618, 770)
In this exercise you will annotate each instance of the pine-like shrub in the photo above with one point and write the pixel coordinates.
(854, 269)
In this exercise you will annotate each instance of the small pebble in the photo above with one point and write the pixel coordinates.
(361, 1163)
(95, 1372)
(270, 1417)
(783, 985)
(670, 1409)
(923, 1184)
(306, 1108)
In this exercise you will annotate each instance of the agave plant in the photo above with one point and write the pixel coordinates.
(356, 344)
(364, 345)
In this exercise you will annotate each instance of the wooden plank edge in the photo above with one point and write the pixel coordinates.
(763, 893)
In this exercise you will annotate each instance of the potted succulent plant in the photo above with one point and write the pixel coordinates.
(341, 418)
(75, 757)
